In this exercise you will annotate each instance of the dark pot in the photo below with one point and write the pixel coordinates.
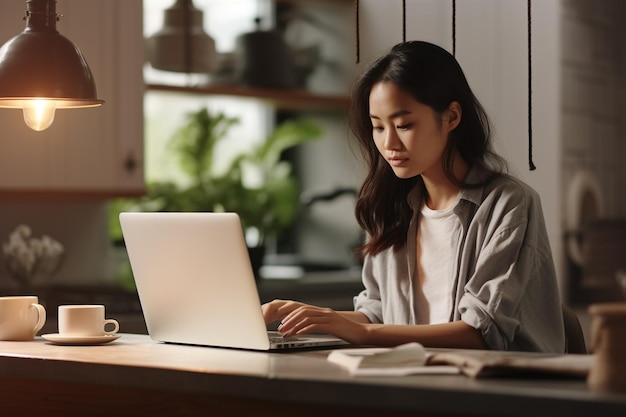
(264, 60)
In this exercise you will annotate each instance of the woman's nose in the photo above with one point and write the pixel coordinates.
(392, 141)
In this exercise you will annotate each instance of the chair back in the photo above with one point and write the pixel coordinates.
(574, 336)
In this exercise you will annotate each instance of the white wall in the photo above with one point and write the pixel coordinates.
(491, 46)
(594, 57)
(594, 93)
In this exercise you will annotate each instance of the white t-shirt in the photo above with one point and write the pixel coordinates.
(436, 254)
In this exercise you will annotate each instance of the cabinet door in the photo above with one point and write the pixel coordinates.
(96, 151)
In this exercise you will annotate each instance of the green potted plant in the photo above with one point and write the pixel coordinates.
(267, 205)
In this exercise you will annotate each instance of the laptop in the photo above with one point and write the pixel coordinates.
(196, 285)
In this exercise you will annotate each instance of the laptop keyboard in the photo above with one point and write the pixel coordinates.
(280, 339)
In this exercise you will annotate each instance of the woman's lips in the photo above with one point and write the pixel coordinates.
(397, 161)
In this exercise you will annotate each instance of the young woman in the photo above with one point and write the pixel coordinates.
(457, 252)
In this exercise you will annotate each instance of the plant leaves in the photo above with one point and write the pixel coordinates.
(286, 135)
(195, 142)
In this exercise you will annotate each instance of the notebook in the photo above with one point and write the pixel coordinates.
(195, 282)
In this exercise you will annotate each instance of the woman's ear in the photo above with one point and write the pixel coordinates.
(453, 116)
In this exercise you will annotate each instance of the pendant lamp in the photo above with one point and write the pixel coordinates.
(182, 45)
(41, 70)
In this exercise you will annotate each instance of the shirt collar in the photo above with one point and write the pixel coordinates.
(472, 194)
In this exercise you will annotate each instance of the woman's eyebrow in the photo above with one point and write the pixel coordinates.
(392, 115)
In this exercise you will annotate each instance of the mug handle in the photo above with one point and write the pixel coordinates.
(114, 323)
(41, 314)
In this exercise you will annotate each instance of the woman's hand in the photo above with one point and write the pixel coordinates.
(278, 309)
(298, 319)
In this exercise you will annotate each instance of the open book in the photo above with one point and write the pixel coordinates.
(413, 358)
(407, 359)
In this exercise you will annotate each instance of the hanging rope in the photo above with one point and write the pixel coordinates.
(358, 46)
(403, 20)
(453, 27)
(531, 164)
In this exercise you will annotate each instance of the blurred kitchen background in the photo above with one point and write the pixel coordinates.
(60, 182)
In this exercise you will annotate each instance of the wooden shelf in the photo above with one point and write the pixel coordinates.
(281, 99)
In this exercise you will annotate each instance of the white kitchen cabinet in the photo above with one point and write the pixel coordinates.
(92, 153)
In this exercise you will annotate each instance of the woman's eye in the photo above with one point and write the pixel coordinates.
(403, 127)
(377, 128)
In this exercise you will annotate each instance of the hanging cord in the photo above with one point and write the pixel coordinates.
(531, 164)
(357, 29)
(403, 20)
(356, 16)
(453, 27)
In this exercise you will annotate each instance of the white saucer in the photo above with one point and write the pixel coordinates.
(80, 340)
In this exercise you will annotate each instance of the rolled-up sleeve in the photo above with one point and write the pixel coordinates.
(488, 303)
(511, 295)
(369, 301)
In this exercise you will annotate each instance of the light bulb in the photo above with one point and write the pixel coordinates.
(39, 113)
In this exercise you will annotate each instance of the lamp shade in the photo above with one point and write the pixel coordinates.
(182, 45)
(41, 70)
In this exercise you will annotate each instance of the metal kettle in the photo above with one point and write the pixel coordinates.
(263, 59)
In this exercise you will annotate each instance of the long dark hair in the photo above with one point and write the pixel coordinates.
(434, 78)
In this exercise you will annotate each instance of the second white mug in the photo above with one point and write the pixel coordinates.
(21, 317)
(85, 320)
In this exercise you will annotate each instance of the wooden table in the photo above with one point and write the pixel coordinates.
(137, 376)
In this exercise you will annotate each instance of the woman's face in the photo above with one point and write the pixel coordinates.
(408, 134)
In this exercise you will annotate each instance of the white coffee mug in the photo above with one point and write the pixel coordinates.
(85, 320)
(21, 317)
